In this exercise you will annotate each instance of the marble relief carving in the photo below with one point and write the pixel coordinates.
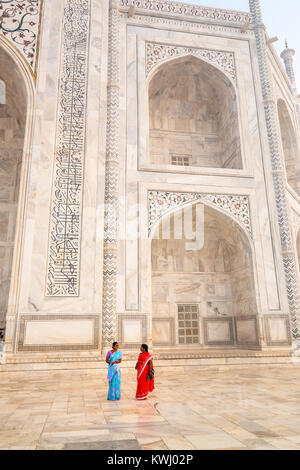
(156, 53)
(65, 224)
(196, 11)
(20, 25)
(161, 202)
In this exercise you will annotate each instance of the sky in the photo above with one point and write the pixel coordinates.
(282, 19)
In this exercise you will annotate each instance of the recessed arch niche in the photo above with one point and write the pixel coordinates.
(13, 112)
(216, 280)
(193, 116)
(290, 147)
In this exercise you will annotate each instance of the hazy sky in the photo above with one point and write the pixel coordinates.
(282, 19)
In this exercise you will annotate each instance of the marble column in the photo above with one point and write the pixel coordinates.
(288, 57)
(110, 264)
(287, 245)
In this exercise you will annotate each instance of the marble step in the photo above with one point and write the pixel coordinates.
(162, 359)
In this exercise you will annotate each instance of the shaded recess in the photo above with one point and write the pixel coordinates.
(289, 146)
(13, 105)
(193, 116)
(216, 281)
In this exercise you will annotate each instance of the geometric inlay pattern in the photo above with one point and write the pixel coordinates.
(162, 202)
(20, 25)
(110, 245)
(65, 223)
(156, 53)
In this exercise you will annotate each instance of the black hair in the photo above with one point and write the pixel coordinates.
(145, 346)
(114, 343)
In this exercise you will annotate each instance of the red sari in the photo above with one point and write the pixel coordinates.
(144, 386)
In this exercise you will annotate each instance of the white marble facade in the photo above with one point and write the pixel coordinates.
(114, 117)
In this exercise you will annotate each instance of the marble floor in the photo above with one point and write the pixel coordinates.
(249, 407)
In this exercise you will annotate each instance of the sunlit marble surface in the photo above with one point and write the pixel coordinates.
(250, 407)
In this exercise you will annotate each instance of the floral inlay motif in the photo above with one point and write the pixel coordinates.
(156, 53)
(161, 202)
(20, 24)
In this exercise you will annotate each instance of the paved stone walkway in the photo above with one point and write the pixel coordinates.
(254, 407)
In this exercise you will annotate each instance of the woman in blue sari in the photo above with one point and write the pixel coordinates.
(114, 359)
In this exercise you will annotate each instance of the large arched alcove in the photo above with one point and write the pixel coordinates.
(290, 146)
(207, 291)
(193, 116)
(13, 110)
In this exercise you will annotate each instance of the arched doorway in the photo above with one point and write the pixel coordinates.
(203, 297)
(290, 147)
(193, 116)
(13, 112)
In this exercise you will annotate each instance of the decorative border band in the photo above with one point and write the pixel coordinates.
(162, 202)
(198, 12)
(65, 223)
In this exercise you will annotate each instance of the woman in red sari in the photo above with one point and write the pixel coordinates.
(145, 374)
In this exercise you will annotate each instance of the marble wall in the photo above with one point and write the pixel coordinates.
(182, 87)
(63, 316)
(298, 246)
(12, 128)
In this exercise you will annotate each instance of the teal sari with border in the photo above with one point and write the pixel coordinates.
(114, 376)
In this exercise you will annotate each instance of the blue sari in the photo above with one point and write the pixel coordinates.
(114, 376)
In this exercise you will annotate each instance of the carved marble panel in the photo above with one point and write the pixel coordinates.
(65, 223)
(278, 330)
(163, 331)
(132, 330)
(246, 330)
(218, 331)
(58, 332)
(196, 11)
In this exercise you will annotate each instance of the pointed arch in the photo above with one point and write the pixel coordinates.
(231, 77)
(290, 146)
(216, 281)
(193, 115)
(242, 218)
(16, 122)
